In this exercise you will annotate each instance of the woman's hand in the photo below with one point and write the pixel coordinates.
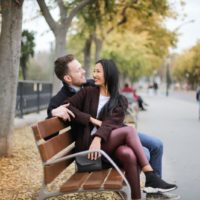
(96, 122)
(96, 144)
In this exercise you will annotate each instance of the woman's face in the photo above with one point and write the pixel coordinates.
(98, 75)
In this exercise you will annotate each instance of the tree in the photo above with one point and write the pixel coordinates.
(10, 41)
(128, 18)
(186, 66)
(130, 32)
(94, 15)
(68, 10)
(27, 50)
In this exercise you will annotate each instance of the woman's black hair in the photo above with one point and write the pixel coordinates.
(111, 76)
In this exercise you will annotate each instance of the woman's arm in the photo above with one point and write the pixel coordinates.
(96, 144)
(105, 127)
(95, 122)
(112, 121)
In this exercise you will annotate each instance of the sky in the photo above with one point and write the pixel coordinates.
(187, 24)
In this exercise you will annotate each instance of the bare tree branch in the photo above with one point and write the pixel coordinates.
(124, 17)
(63, 11)
(77, 9)
(47, 15)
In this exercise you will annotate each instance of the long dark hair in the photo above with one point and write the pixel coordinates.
(111, 76)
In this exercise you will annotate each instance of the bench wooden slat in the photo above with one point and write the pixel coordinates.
(36, 132)
(96, 179)
(55, 145)
(49, 127)
(52, 171)
(114, 180)
(74, 182)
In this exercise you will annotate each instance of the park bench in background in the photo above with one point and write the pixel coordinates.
(132, 111)
(57, 153)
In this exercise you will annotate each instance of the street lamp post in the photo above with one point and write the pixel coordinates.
(167, 81)
(168, 76)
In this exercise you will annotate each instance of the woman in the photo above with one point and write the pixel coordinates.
(100, 112)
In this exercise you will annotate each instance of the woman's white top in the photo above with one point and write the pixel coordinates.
(102, 101)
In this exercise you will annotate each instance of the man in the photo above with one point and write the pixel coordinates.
(71, 73)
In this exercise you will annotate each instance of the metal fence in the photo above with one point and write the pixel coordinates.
(32, 96)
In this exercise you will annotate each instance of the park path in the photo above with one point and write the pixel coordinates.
(174, 119)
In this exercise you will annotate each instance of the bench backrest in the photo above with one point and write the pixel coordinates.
(129, 96)
(53, 140)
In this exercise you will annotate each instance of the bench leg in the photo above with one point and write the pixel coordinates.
(124, 194)
(43, 194)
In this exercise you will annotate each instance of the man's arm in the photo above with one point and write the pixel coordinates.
(63, 112)
(56, 107)
(54, 103)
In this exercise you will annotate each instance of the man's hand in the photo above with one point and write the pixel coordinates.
(63, 112)
(96, 144)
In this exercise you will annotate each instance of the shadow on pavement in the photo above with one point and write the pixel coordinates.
(162, 196)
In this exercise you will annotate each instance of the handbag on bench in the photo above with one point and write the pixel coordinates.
(84, 164)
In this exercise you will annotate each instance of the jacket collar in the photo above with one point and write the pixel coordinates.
(89, 82)
(68, 88)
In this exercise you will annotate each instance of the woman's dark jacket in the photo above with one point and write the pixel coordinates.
(84, 105)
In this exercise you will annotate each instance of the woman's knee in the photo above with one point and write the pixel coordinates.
(129, 130)
(126, 155)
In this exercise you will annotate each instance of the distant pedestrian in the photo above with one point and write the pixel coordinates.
(198, 94)
(136, 97)
(198, 98)
(155, 87)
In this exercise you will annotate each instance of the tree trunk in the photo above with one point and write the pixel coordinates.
(98, 48)
(10, 42)
(60, 38)
(60, 28)
(87, 55)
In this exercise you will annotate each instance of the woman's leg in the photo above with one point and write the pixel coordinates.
(126, 136)
(127, 159)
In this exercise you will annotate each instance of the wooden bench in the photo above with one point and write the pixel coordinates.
(57, 153)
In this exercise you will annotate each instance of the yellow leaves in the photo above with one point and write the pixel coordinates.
(187, 65)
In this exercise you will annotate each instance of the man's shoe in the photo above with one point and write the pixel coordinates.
(154, 184)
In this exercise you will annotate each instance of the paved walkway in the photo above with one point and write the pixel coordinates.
(29, 119)
(174, 119)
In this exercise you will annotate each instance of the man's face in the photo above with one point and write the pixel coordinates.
(76, 74)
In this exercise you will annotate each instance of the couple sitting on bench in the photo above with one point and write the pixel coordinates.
(99, 110)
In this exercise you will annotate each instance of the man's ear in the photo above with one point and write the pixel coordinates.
(67, 79)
